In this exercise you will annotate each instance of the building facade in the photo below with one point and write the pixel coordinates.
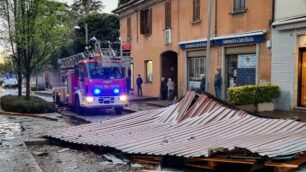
(289, 53)
(168, 39)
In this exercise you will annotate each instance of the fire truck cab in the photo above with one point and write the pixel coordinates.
(93, 81)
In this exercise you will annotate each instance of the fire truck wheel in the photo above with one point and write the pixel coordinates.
(78, 109)
(118, 110)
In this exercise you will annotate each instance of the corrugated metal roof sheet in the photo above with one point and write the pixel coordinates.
(181, 130)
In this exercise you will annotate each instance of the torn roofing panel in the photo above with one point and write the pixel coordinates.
(191, 130)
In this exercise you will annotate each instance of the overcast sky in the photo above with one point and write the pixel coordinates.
(109, 4)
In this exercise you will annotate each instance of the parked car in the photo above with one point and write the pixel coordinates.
(10, 83)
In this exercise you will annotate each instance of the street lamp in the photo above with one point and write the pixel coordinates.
(77, 27)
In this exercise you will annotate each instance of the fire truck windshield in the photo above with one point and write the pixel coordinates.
(99, 72)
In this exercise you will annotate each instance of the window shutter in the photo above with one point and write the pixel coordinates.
(198, 9)
(150, 21)
(242, 4)
(129, 34)
(168, 14)
(142, 22)
(194, 11)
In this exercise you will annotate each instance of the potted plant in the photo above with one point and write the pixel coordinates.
(253, 98)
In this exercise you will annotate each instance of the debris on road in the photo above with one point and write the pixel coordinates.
(63, 150)
(41, 153)
(114, 159)
(198, 129)
(28, 115)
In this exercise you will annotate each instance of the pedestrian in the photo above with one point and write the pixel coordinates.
(128, 85)
(139, 82)
(217, 84)
(163, 89)
(203, 82)
(171, 89)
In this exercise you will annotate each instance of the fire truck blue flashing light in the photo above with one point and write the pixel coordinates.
(116, 91)
(97, 91)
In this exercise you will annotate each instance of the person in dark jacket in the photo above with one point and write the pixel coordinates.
(218, 84)
(163, 89)
(139, 82)
(128, 85)
(203, 83)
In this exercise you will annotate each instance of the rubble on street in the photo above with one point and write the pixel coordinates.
(198, 129)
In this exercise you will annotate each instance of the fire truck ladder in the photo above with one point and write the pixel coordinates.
(69, 62)
(109, 58)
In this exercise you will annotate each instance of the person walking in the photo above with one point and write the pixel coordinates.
(139, 82)
(217, 84)
(171, 87)
(128, 85)
(203, 82)
(163, 89)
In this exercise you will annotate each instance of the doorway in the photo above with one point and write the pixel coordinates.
(302, 79)
(169, 67)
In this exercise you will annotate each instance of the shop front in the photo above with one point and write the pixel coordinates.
(240, 66)
(240, 59)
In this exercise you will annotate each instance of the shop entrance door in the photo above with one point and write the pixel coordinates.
(169, 67)
(302, 84)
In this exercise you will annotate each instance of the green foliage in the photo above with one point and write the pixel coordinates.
(21, 105)
(105, 27)
(251, 94)
(85, 7)
(5, 68)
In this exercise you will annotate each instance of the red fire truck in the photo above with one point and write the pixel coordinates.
(93, 80)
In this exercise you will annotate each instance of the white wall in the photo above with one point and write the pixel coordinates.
(283, 67)
(289, 8)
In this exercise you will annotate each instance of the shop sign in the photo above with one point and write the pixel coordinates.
(168, 37)
(221, 41)
(127, 47)
(239, 40)
(193, 45)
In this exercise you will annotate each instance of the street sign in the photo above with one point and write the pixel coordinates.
(127, 47)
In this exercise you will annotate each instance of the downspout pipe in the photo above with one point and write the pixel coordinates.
(216, 17)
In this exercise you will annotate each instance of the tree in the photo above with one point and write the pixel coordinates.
(104, 27)
(85, 7)
(39, 26)
(9, 15)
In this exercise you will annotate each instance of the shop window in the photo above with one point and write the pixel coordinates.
(168, 14)
(239, 6)
(129, 30)
(146, 22)
(196, 11)
(149, 70)
(240, 70)
(196, 67)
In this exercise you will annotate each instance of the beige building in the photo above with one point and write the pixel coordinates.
(168, 39)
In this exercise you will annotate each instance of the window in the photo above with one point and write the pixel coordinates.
(168, 14)
(149, 70)
(196, 68)
(239, 6)
(129, 33)
(146, 22)
(196, 10)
